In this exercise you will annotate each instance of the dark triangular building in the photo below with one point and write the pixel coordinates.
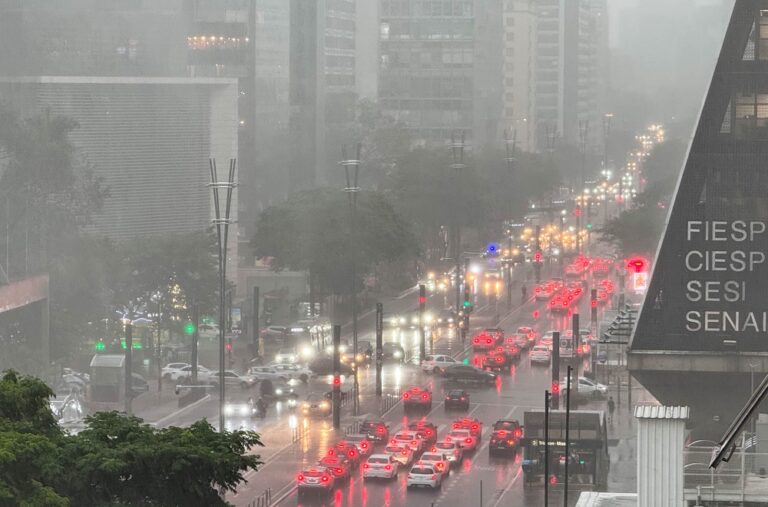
(702, 335)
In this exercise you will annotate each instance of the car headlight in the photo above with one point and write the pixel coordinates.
(279, 391)
(307, 351)
(244, 409)
(342, 348)
(450, 320)
(428, 318)
(403, 320)
(291, 402)
(324, 404)
(397, 354)
(229, 410)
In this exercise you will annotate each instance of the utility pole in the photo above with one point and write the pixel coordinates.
(379, 345)
(222, 235)
(583, 132)
(336, 393)
(567, 432)
(576, 339)
(351, 171)
(467, 303)
(537, 255)
(422, 334)
(547, 397)
(128, 366)
(195, 339)
(258, 340)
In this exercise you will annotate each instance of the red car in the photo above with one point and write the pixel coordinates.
(416, 397)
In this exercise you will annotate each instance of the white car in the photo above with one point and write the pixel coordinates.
(540, 354)
(203, 374)
(233, 378)
(402, 453)
(586, 387)
(383, 466)
(292, 371)
(462, 437)
(424, 475)
(265, 373)
(170, 368)
(547, 338)
(437, 363)
(408, 438)
(286, 356)
(437, 460)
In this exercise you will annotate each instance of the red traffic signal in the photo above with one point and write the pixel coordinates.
(337, 381)
(535, 314)
(555, 387)
(637, 264)
(422, 300)
(553, 480)
(594, 303)
(577, 211)
(537, 257)
(228, 346)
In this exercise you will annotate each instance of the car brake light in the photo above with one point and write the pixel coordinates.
(518, 433)
(456, 425)
(488, 341)
(468, 440)
(511, 441)
(366, 466)
(462, 398)
(414, 442)
(339, 471)
(364, 445)
(424, 396)
(499, 359)
(429, 433)
(502, 433)
(477, 340)
(406, 396)
(380, 429)
(351, 453)
(447, 398)
(475, 426)
(331, 452)
(434, 477)
(300, 478)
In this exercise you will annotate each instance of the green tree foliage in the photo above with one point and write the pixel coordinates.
(117, 460)
(635, 231)
(311, 231)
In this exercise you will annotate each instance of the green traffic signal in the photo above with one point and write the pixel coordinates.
(466, 360)
(100, 346)
(467, 304)
(189, 328)
(589, 226)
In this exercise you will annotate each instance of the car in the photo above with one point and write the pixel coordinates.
(239, 410)
(292, 371)
(184, 375)
(452, 451)
(337, 465)
(265, 372)
(233, 378)
(496, 361)
(382, 466)
(546, 339)
(531, 333)
(408, 438)
(315, 479)
(586, 387)
(505, 438)
(316, 405)
(437, 363)
(462, 437)
(437, 460)
(171, 368)
(445, 318)
(540, 354)
(378, 431)
(283, 391)
(362, 442)
(469, 374)
(417, 398)
(273, 333)
(457, 399)
(426, 430)
(323, 365)
(495, 332)
(424, 475)
(402, 453)
(517, 340)
(286, 355)
(473, 425)
(483, 341)
(348, 450)
(365, 348)
(391, 351)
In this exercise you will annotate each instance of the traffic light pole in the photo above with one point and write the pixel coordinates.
(576, 339)
(195, 339)
(555, 370)
(422, 334)
(336, 392)
(379, 345)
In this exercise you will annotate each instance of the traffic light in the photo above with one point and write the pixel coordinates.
(228, 346)
(553, 480)
(637, 264)
(589, 227)
(537, 257)
(555, 387)
(467, 299)
(189, 328)
(100, 346)
(593, 304)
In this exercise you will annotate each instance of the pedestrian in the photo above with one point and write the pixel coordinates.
(261, 408)
(611, 408)
(523, 294)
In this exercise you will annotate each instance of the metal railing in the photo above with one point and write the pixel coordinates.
(746, 473)
(263, 500)
(389, 400)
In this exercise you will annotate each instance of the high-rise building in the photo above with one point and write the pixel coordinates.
(519, 43)
(426, 73)
(322, 87)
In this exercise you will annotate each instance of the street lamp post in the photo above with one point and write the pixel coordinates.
(583, 131)
(457, 151)
(351, 171)
(511, 146)
(222, 224)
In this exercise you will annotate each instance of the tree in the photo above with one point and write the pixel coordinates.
(310, 231)
(634, 231)
(117, 460)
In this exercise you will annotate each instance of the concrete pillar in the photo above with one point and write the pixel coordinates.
(660, 441)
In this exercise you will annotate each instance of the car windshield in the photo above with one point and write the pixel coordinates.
(422, 471)
(378, 459)
(313, 473)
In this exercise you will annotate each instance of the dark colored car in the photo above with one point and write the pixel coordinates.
(505, 438)
(469, 374)
(365, 348)
(324, 366)
(513, 352)
(426, 430)
(456, 399)
(416, 397)
(392, 352)
(378, 431)
(496, 362)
